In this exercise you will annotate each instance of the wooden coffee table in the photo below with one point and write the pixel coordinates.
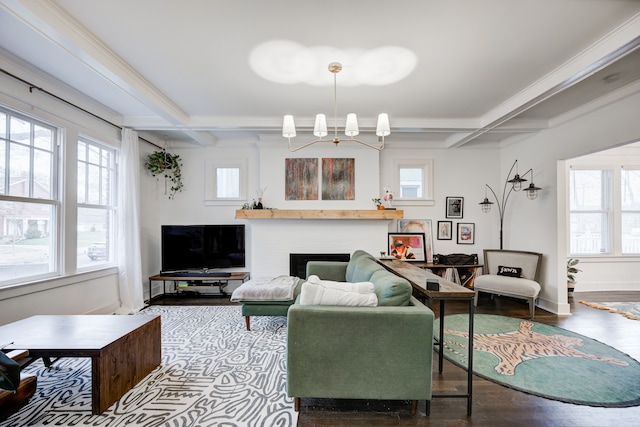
(123, 349)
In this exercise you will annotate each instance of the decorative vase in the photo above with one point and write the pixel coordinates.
(388, 196)
(380, 207)
(259, 204)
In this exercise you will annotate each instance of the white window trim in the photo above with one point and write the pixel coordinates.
(427, 182)
(210, 195)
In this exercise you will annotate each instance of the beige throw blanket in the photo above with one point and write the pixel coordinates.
(280, 288)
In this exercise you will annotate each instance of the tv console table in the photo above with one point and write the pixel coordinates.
(196, 282)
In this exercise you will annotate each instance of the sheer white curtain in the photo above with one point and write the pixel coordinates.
(129, 259)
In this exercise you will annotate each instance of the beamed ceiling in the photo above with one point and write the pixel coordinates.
(449, 73)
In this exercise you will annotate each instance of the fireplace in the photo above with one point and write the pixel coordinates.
(298, 262)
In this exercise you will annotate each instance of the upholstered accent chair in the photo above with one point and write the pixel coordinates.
(510, 273)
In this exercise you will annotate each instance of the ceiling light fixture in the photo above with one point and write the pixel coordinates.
(351, 128)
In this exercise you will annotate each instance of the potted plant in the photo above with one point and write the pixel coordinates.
(378, 202)
(572, 270)
(167, 165)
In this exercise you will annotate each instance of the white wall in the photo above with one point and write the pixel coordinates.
(543, 223)
(456, 173)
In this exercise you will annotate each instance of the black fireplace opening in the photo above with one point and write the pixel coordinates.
(298, 262)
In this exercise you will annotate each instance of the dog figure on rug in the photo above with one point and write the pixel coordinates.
(513, 348)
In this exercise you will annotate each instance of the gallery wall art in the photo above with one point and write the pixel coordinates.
(419, 226)
(301, 179)
(338, 179)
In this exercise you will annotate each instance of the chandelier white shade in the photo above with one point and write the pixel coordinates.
(351, 129)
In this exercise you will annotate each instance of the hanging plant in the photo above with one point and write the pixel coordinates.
(169, 166)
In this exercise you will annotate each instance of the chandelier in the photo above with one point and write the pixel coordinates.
(351, 128)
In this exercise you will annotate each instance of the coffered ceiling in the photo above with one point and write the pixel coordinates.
(199, 71)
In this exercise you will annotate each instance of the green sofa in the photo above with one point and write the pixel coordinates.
(340, 352)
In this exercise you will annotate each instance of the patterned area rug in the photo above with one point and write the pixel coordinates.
(630, 310)
(544, 360)
(213, 373)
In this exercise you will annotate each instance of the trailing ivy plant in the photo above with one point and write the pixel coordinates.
(169, 166)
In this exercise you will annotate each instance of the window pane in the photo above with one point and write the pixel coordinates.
(93, 195)
(95, 237)
(589, 233)
(588, 191)
(228, 182)
(20, 131)
(19, 170)
(3, 125)
(630, 189)
(3, 171)
(82, 182)
(411, 182)
(42, 164)
(94, 154)
(26, 240)
(43, 138)
(82, 151)
(631, 233)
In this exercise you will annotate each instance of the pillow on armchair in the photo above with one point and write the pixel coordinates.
(509, 271)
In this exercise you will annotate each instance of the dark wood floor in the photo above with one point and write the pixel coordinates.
(493, 404)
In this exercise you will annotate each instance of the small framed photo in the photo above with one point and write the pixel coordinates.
(466, 233)
(407, 246)
(445, 230)
(455, 206)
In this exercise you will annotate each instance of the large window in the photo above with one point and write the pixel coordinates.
(630, 210)
(29, 205)
(96, 205)
(605, 211)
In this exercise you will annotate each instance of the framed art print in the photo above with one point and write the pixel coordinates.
(466, 233)
(407, 246)
(419, 226)
(444, 230)
(454, 207)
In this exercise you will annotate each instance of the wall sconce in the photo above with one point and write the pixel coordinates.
(516, 185)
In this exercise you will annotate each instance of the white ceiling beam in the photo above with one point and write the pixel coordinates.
(605, 51)
(52, 23)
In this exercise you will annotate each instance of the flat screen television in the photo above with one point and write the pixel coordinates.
(202, 247)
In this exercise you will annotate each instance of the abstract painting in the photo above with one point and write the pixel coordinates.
(301, 179)
(338, 179)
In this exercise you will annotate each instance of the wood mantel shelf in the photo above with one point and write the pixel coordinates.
(318, 214)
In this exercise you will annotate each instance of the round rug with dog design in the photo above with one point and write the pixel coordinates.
(543, 360)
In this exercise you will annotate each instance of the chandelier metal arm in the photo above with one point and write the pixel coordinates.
(293, 150)
(375, 147)
(336, 141)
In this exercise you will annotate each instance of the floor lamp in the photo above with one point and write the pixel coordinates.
(516, 185)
